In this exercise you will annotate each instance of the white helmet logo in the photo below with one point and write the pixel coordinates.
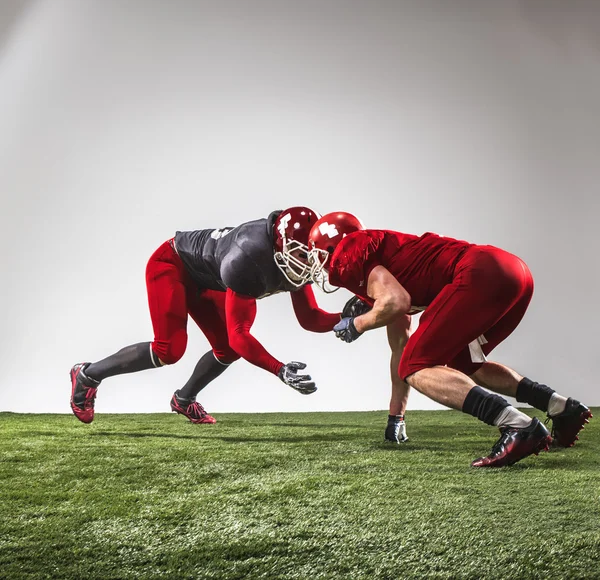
(328, 229)
(283, 223)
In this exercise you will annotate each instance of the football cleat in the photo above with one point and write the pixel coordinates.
(83, 393)
(515, 444)
(396, 432)
(191, 409)
(567, 425)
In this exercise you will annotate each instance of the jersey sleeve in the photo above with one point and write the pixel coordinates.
(240, 312)
(354, 258)
(308, 313)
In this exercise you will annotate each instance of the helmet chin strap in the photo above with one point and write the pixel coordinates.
(318, 274)
(322, 281)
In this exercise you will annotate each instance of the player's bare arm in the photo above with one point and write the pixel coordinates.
(390, 300)
(398, 333)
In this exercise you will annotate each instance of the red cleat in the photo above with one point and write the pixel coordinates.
(515, 444)
(191, 409)
(83, 393)
(567, 425)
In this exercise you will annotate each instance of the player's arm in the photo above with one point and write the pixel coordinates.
(398, 333)
(240, 311)
(390, 300)
(308, 313)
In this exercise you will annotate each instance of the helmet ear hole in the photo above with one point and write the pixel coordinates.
(330, 249)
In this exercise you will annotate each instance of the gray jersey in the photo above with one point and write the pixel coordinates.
(239, 258)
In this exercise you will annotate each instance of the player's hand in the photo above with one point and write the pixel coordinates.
(346, 331)
(355, 307)
(301, 383)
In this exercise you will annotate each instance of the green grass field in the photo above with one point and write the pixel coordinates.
(303, 496)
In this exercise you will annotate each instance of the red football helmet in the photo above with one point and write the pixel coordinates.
(324, 237)
(290, 233)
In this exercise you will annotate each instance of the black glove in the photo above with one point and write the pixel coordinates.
(355, 307)
(302, 383)
(346, 331)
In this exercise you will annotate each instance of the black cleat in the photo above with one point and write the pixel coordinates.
(567, 425)
(515, 444)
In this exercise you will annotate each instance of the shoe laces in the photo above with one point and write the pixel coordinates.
(196, 409)
(499, 445)
(553, 429)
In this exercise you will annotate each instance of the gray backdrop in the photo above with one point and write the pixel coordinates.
(124, 120)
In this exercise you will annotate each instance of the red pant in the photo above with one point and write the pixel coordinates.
(172, 295)
(488, 296)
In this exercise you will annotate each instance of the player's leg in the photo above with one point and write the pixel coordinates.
(165, 283)
(568, 415)
(486, 286)
(397, 333)
(207, 309)
(490, 375)
(494, 376)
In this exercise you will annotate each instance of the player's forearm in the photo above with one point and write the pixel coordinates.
(391, 300)
(382, 313)
(319, 321)
(255, 353)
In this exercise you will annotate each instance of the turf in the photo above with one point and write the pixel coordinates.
(303, 496)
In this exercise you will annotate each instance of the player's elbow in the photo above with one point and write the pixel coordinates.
(397, 303)
(305, 325)
(310, 324)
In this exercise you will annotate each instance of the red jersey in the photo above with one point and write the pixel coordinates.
(422, 264)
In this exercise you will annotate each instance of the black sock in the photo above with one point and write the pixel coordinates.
(534, 394)
(88, 381)
(131, 359)
(207, 369)
(483, 405)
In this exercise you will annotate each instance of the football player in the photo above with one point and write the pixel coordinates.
(216, 276)
(473, 297)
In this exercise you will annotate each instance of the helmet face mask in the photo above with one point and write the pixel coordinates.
(291, 264)
(317, 259)
(291, 230)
